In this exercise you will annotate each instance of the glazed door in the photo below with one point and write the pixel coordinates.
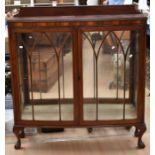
(110, 75)
(45, 68)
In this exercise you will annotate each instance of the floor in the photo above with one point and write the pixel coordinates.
(122, 144)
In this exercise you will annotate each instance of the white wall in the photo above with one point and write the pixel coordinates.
(92, 2)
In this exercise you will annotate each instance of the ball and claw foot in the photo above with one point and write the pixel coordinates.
(141, 145)
(18, 145)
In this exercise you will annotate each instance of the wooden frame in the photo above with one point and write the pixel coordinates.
(91, 18)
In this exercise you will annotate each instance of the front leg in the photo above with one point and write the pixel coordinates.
(136, 132)
(139, 133)
(22, 133)
(18, 131)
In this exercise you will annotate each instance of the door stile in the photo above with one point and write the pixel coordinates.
(141, 74)
(14, 77)
(75, 76)
(80, 76)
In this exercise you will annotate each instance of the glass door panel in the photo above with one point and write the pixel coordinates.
(46, 75)
(109, 72)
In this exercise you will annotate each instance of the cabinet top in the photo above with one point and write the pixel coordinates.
(77, 13)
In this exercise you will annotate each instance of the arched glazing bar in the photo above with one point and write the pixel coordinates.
(28, 51)
(58, 52)
(35, 95)
(122, 49)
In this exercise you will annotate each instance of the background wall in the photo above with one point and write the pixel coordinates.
(36, 1)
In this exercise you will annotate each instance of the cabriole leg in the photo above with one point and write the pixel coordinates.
(19, 132)
(136, 132)
(139, 133)
(22, 133)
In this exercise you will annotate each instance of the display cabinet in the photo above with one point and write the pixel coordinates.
(81, 66)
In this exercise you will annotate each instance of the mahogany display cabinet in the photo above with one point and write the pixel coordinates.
(81, 66)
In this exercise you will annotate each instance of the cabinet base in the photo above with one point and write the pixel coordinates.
(19, 133)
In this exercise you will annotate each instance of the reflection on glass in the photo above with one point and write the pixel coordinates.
(107, 75)
(47, 76)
